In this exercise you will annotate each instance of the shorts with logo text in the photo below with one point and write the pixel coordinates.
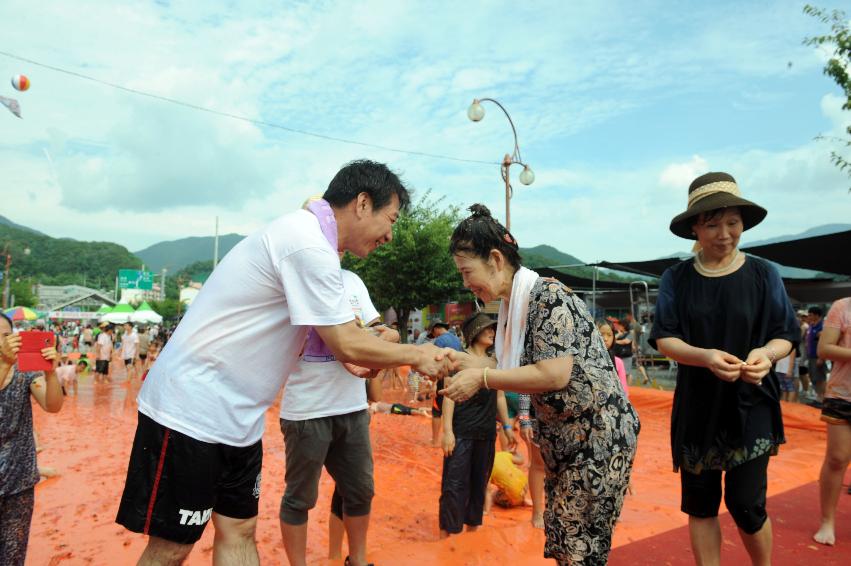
(175, 483)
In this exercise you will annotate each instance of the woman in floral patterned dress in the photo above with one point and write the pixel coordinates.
(548, 346)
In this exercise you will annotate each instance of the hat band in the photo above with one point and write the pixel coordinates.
(711, 189)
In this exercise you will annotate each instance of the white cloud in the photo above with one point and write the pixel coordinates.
(679, 175)
(137, 170)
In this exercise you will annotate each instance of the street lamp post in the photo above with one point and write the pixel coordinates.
(475, 113)
(6, 281)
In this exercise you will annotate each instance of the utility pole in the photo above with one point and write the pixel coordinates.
(6, 286)
(216, 245)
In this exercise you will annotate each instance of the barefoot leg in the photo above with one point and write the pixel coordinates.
(830, 480)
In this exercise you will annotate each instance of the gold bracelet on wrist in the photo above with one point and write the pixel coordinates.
(485, 377)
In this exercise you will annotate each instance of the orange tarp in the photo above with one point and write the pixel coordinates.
(89, 443)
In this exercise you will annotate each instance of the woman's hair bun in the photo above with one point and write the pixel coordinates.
(480, 210)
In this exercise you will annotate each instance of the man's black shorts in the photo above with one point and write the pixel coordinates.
(102, 366)
(128, 361)
(175, 483)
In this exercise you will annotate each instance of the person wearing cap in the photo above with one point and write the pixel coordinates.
(548, 346)
(725, 318)
(469, 439)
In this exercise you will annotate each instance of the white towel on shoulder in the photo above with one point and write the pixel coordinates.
(513, 317)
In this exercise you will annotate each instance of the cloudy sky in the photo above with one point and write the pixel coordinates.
(618, 106)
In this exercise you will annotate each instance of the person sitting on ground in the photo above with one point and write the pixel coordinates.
(66, 371)
(509, 485)
(397, 409)
(469, 437)
(18, 468)
(835, 345)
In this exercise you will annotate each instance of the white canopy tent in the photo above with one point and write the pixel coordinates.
(146, 315)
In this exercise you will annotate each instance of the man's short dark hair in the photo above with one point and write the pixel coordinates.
(365, 176)
(816, 311)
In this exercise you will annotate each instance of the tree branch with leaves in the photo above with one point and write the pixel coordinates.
(415, 269)
(837, 68)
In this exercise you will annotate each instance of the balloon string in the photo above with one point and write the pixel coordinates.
(243, 118)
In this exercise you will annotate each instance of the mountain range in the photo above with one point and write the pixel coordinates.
(175, 255)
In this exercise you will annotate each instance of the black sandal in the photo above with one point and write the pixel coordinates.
(349, 562)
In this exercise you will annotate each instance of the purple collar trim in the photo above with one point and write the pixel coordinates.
(327, 221)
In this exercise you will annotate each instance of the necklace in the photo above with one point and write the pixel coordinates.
(718, 270)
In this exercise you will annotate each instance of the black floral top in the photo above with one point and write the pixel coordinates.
(18, 469)
(591, 418)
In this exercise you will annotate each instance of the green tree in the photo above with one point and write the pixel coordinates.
(21, 290)
(837, 67)
(168, 308)
(415, 268)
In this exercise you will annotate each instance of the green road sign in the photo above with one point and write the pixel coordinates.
(135, 279)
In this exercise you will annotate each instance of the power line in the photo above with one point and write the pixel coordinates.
(242, 118)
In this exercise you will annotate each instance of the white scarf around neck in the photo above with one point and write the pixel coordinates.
(513, 316)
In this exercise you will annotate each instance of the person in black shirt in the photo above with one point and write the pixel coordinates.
(469, 436)
(725, 318)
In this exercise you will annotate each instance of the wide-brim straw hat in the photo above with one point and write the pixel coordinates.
(711, 192)
(474, 325)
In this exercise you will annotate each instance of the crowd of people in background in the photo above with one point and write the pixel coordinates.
(544, 371)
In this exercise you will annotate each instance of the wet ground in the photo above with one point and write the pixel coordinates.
(89, 444)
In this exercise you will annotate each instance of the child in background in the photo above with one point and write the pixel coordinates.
(509, 484)
(785, 369)
(66, 371)
(469, 437)
(608, 334)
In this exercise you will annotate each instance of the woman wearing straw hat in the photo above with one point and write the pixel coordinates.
(548, 346)
(725, 318)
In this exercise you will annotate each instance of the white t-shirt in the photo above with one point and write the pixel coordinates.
(129, 345)
(105, 351)
(783, 365)
(226, 361)
(66, 373)
(321, 386)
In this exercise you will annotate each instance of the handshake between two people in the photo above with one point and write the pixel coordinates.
(432, 362)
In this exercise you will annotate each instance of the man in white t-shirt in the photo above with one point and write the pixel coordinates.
(103, 353)
(325, 423)
(129, 349)
(197, 452)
